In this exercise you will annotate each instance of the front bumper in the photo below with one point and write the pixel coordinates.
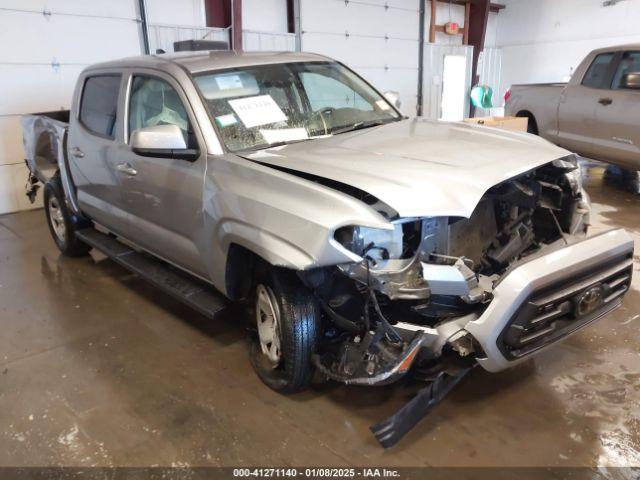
(552, 296)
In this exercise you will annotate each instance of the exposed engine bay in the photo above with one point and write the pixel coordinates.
(433, 273)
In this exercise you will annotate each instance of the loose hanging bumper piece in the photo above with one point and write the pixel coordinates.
(393, 429)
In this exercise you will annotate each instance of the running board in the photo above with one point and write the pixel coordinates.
(195, 293)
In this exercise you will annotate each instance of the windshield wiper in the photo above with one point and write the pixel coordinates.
(360, 126)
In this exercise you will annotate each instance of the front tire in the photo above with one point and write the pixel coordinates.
(62, 224)
(287, 319)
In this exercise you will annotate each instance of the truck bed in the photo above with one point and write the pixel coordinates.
(539, 102)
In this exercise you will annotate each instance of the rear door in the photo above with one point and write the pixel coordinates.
(577, 108)
(163, 195)
(617, 138)
(92, 149)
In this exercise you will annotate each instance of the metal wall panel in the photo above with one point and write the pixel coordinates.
(432, 76)
(265, 15)
(36, 88)
(360, 17)
(33, 38)
(124, 9)
(490, 69)
(378, 39)
(253, 40)
(46, 47)
(11, 151)
(181, 12)
(12, 187)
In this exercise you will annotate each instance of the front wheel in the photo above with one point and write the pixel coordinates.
(62, 224)
(287, 329)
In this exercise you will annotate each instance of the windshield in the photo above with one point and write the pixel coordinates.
(265, 105)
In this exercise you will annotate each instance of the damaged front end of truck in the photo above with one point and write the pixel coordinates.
(416, 298)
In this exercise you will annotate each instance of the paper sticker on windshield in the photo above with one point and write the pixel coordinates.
(284, 134)
(226, 120)
(260, 110)
(228, 82)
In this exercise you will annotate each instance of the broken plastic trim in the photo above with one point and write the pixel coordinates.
(390, 431)
(401, 365)
(32, 186)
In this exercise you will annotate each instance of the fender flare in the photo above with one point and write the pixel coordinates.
(65, 173)
(272, 248)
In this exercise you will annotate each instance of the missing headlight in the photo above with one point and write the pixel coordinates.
(378, 244)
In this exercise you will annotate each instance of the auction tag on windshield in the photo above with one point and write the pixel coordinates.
(260, 110)
(284, 134)
(226, 120)
(228, 82)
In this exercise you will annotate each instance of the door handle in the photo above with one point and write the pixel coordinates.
(76, 152)
(126, 169)
(605, 101)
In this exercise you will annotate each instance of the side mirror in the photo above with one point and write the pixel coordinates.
(631, 80)
(162, 141)
(393, 98)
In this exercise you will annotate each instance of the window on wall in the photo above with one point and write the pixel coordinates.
(598, 72)
(99, 105)
(155, 102)
(630, 63)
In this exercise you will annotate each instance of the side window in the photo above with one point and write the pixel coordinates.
(598, 72)
(630, 63)
(99, 104)
(155, 102)
(324, 91)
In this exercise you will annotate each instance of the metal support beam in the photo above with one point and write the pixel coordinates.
(291, 26)
(478, 17)
(297, 24)
(144, 27)
(421, 34)
(218, 13)
(236, 25)
(432, 28)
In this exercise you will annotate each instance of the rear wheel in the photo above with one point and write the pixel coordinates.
(532, 125)
(287, 320)
(62, 224)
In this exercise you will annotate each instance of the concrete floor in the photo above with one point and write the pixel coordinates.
(99, 368)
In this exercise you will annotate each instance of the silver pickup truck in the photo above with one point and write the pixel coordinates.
(366, 245)
(596, 114)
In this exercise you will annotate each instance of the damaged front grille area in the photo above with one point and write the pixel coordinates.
(429, 272)
(565, 306)
(407, 304)
(519, 216)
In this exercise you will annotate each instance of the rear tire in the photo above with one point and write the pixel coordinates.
(282, 347)
(532, 125)
(62, 223)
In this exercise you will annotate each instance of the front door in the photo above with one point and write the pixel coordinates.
(577, 107)
(617, 139)
(163, 195)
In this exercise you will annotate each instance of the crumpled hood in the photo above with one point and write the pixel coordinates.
(418, 167)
